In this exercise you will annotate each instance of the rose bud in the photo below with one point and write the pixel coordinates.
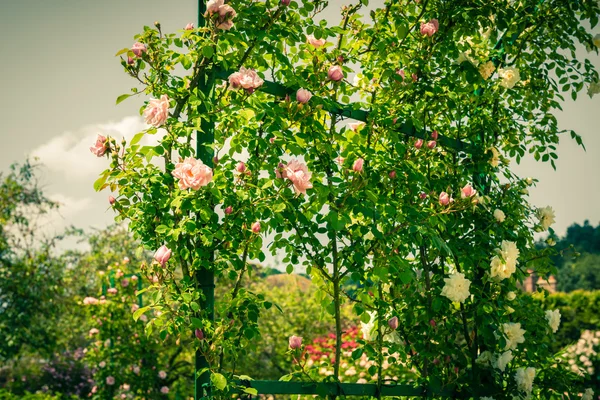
(419, 143)
(228, 210)
(432, 323)
(285, 2)
(434, 135)
(393, 323)
(130, 60)
(431, 144)
(240, 167)
(199, 334)
(162, 255)
(392, 174)
(335, 73)
(111, 200)
(189, 26)
(423, 195)
(295, 342)
(444, 198)
(256, 227)
(303, 96)
(138, 48)
(358, 165)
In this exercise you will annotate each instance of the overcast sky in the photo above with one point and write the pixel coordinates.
(59, 80)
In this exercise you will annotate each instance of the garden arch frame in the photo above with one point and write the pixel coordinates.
(205, 277)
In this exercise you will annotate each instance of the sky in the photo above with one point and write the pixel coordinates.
(59, 81)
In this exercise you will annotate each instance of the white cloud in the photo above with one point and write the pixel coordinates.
(69, 153)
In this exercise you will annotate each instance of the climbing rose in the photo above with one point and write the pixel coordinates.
(189, 26)
(500, 269)
(99, 148)
(256, 227)
(298, 173)
(226, 16)
(510, 76)
(247, 79)
(419, 143)
(429, 28)
(138, 48)
(295, 342)
(335, 73)
(393, 323)
(162, 374)
(468, 191)
(213, 6)
(358, 165)
(514, 334)
(110, 380)
(162, 255)
(316, 43)
(524, 378)
(510, 252)
(546, 217)
(164, 390)
(456, 287)
(192, 173)
(444, 199)
(499, 215)
(303, 96)
(553, 318)
(157, 111)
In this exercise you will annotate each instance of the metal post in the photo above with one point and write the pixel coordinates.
(204, 277)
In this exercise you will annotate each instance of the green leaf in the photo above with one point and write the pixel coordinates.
(218, 381)
(137, 138)
(123, 97)
(251, 391)
(161, 229)
(138, 313)
(207, 51)
(196, 322)
(122, 51)
(99, 184)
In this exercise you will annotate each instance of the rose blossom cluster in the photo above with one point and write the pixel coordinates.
(246, 79)
(296, 172)
(224, 13)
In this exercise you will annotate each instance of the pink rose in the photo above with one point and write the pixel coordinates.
(192, 173)
(354, 126)
(432, 322)
(393, 323)
(157, 111)
(213, 6)
(444, 198)
(303, 96)
(162, 255)
(414, 77)
(247, 79)
(422, 195)
(99, 148)
(340, 160)
(164, 390)
(431, 144)
(199, 334)
(189, 26)
(392, 174)
(316, 43)
(335, 73)
(298, 173)
(401, 73)
(226, 16)
(110, 380)
(111, 290)
(429, 28)
(94, 331)
(162, 374)
(125, 282)
(111, 200)
(90, 301)
(358, 165)
(129, 60)
(295, 342)
(134, 308)
(138, 48)
(419, 143)
(434, 135)
(256, 227)
(134, 278)
(228, 210)
(467, 191)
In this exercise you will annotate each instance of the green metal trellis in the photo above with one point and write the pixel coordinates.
(205, 277)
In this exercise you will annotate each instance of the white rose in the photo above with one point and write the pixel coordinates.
(514, 334)
(553, 318)
(486, 70)
(499, 215)
(524, 378)
(510, 296)
(501, 361)
(510, 76)
(499, 269)
(485, 358)
(457, 287)
(546, 217)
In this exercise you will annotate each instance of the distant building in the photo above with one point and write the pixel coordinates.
(533, 282)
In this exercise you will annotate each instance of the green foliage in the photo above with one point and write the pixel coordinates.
(6, 395)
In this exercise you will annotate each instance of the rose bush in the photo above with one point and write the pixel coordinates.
(423, 244)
